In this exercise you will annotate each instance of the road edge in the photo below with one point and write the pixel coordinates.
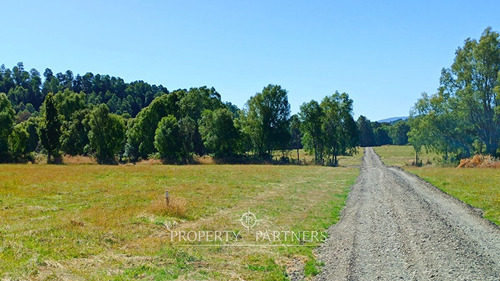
(476, 211)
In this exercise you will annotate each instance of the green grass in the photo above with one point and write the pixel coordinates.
(477, 187)
(404, 155)
(109, 222)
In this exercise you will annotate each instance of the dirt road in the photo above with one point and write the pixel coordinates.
(398, 227)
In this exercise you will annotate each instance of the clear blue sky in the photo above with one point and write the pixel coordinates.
(383, 53)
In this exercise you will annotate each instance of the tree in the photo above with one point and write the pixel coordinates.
(471, 88)
(141, 135)
(50, 129)
(31, 126)
(18, 141)
(295, 134)
(417, 135)
(437, 126)
(193, 104)
(267, 120)
(233, 108)
(51, 84)
(74, 138)
(187, 128)
(114, 103)
(21, 77)
(68, 102)
(381, 132)
(399, 132)
(219, 133)
(18, 96)
(366, 134)
(6, 81)
(106, 135)
(338, 126)
(311, 115)
(168, 140)
(6, 125)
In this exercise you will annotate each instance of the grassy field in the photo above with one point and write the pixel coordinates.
(403, 155)
(111, 223)
(477, 187)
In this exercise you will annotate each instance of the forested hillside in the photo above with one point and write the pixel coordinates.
(26, 91)
(113, 120)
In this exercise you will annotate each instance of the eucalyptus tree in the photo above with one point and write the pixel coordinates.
(266, 119)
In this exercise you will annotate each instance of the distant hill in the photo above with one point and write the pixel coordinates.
(392, 119)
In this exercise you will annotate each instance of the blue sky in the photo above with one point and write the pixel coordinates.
(384, 54)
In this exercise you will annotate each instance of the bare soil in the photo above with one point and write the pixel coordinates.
(398, 227)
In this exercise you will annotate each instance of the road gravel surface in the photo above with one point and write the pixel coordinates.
(396, 226)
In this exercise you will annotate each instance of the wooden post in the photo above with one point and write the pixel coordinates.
(167, 198)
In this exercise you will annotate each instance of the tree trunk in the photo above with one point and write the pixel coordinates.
(492, 144)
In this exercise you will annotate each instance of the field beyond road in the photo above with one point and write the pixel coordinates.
(479, 187)
(111, 222)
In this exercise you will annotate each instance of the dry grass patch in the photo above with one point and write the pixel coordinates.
(176, 207)
(479, 161)
(79, 159)
(150, 162)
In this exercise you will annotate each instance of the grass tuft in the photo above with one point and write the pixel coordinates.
(177, 207)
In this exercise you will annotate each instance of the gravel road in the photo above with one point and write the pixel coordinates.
(398, 227)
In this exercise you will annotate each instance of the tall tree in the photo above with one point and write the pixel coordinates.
(36, 98)
(366, 135)
(31, 126)
(6, 125)
(107, 133)
(68, 102)
(295, 134)
(338, 126)
(219, 133)
(6, 81)
(75, 131)
(18, 140)
(311, 115)
(141, 136)
(51, 84)
(193, 104)
(168, 139)
(399, 132)
(267, 120)
(472, 83)
(381, 132)
(439, 128)
(50, 129)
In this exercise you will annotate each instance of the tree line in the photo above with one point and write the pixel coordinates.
(105, 117)
(377, 134)
(463, 117)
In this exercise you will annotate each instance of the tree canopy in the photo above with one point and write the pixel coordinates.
(107, 133)
(329, 128)
(463, 117)
(267, 118)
